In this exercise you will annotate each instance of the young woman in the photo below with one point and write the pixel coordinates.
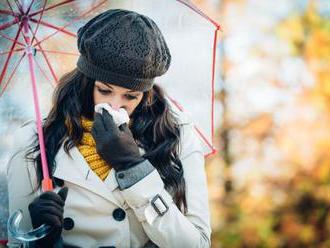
(140, 184)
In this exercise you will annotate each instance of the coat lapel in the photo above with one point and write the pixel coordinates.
(75, 170)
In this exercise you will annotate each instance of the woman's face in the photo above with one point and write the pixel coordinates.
(118, 97)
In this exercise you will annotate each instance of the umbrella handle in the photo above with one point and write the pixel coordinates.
(14, 232)
(15, 220)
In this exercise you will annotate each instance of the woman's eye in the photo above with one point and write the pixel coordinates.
(130, 97)
(107, 92)
(104, 92)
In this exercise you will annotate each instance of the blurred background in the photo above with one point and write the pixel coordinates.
(269, 183)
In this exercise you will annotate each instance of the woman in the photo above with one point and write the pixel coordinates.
(136, 185)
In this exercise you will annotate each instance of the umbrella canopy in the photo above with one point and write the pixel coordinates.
(38, 45)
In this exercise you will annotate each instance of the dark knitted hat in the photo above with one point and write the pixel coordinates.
(123, 48)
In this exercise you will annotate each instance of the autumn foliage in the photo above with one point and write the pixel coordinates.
(270, 182)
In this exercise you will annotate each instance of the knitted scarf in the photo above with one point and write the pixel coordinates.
(87, 148)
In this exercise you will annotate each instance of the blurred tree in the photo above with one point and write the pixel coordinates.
(289, 205)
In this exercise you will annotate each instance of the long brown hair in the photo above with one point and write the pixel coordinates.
(154, 126)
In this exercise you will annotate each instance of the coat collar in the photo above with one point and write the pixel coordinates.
(75, 169)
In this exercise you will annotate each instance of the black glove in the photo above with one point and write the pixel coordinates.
(115, 145)
(48, 209)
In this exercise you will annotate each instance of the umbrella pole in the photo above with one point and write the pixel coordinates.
(47, 184)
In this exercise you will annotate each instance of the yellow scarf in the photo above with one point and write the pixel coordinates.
(87, 148)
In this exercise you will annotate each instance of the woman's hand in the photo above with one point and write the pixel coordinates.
(48, 209)
(115, 145)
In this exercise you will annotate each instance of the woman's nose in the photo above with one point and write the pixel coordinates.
(116, 105)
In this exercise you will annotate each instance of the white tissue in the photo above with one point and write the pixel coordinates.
(119, 117)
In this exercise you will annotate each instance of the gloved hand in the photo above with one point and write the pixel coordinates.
(115, 145)
(48, 209)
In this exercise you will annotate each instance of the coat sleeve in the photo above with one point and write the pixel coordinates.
(175, 229)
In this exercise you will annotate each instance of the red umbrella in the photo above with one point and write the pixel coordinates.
(38, 37)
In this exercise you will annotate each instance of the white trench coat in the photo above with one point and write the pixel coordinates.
(98, 214)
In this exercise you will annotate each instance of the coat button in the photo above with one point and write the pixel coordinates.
(118, 214)
(68, 223)
(121, 175)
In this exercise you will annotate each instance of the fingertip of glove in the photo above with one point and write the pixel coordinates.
(97, 115)
(63, 193)
(106, 115)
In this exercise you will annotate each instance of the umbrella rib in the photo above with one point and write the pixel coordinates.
(29, 8)
(38, 23)
(47, 61)
(51, 7)
(19, 6)
(9, 24)
(49, 65)
(54, 27)
(198, 11)
(16, 50)
(11, 8)
(42, 71)
(58, 52)
(11, 75)
(74, 20)
(11, 39)
(7, 12)
(212, 82)
(179, 106)
(4, 70)
(204, 138)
